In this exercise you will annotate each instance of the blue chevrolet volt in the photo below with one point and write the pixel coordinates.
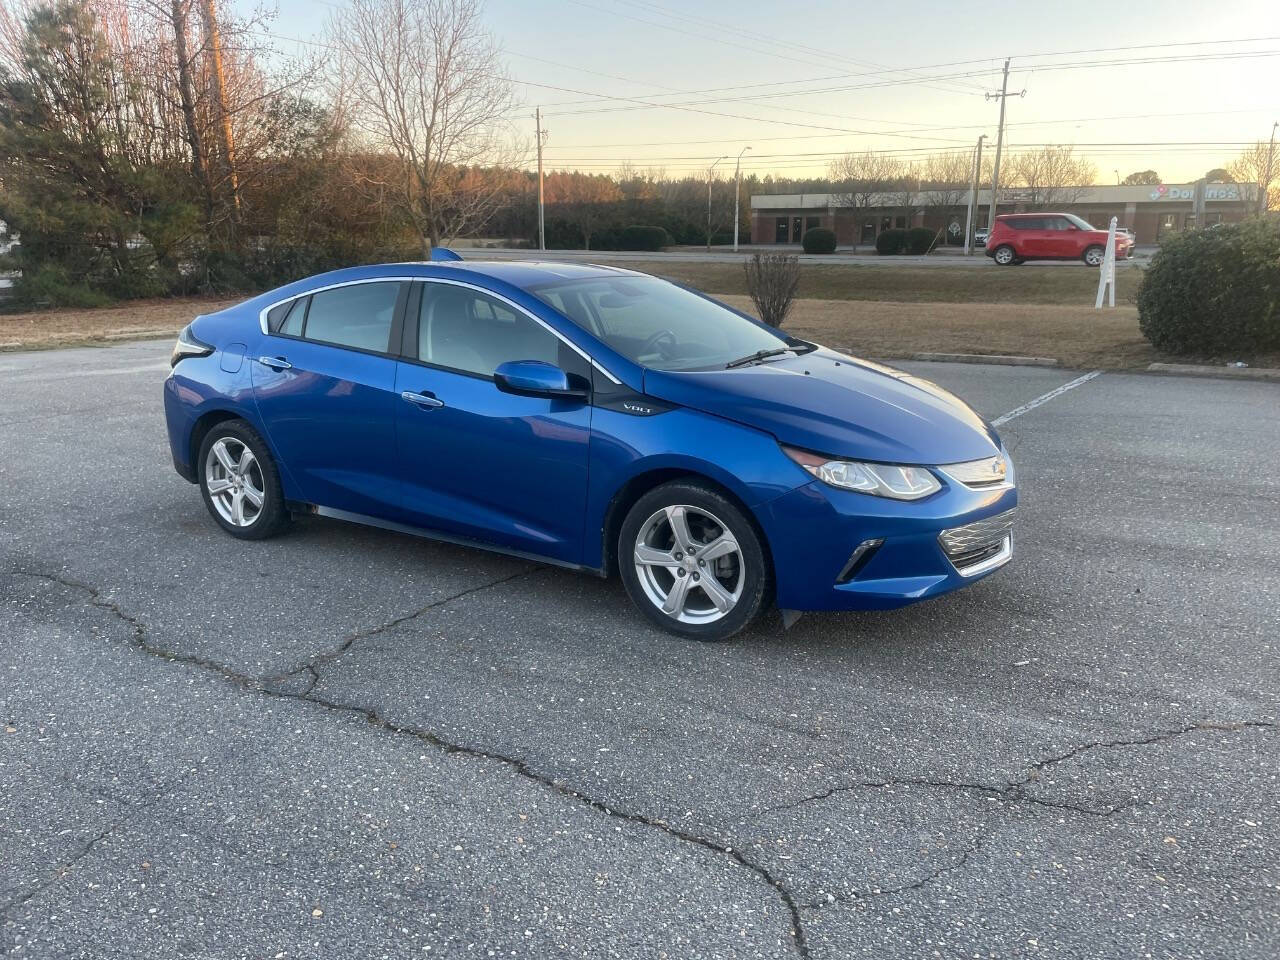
(598, 419)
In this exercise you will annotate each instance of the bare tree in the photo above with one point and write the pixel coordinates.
(945, 179)
(772, 281)
(1052, 176)
(1256, 165)
(858, 177)
(423, 80)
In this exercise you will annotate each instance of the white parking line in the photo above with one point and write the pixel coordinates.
(1045, 398)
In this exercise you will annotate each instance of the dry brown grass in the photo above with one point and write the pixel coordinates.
(1077, 336)
(69, 327)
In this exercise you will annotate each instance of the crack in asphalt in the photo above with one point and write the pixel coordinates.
(831, 899)
(1013, 792)
(87, 847)
(311, 667)
(371, 716)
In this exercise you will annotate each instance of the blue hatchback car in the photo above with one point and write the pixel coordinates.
(595, 418)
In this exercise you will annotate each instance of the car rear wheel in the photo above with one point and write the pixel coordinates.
(1004, 255)
(693, 562)
(1093, 256)
(240, 482)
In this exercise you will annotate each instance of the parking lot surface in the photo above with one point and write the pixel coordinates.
(346, 742)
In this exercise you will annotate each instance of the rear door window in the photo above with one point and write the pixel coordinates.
(358, 315)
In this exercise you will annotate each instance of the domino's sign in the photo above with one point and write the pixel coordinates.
(1212, 191)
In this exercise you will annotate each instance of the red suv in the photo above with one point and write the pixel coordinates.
(1018, 237)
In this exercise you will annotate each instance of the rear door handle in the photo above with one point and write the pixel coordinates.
(424, 400)
(275, 363)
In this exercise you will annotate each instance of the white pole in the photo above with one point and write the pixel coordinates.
(737, 191)
(710, 174)
(542, 223)
(973, 198)
(1107, 272)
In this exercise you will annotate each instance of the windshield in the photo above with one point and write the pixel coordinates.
(1082, 224)
(657, 324)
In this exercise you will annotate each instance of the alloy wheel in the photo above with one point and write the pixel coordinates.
(1093, 257)
(233, 477)
(1004, 255)
(689, 564)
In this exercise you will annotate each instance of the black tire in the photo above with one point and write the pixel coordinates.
(272, 516)
(1099, 252)
(1006, 251)
(751, 562)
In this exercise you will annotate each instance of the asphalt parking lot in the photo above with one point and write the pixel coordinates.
(347, 743)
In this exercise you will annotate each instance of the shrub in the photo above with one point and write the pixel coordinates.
(919, 240)
(643, 238)
(891, 241)
(819, 240)
(772, 279)
(1214, 291)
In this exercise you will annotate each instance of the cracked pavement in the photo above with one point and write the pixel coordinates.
(348, 742)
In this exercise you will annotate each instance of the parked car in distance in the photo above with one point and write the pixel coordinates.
(980, 236)
(1018, 237)
(597, 419)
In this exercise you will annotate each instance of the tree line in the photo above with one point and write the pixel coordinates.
(156, 147)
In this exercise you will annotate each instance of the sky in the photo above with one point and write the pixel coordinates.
(868, 59)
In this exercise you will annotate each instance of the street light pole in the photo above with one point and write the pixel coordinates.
(973, 198)
(737, 191)
(542, 223)
(710, 173)
(1266, 183)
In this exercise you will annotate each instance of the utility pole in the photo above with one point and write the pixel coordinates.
(973, 198)
(710, 174)
(1266, 181)
(219, 91)
(542, 222)
(737, 190)
(1003, 95)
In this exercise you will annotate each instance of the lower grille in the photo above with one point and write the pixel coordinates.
(979, 546)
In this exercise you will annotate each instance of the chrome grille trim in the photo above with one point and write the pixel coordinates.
(979, 546)
(984, 474)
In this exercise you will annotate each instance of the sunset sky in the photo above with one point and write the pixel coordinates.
(868, 59)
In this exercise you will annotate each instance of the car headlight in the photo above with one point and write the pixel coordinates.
(188, 346)
(879, 479)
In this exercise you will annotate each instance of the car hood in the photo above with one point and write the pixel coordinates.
(829, 403)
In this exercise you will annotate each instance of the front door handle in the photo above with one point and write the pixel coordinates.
(275, 363)
(424, 400)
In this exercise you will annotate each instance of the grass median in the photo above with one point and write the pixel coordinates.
(887, 312)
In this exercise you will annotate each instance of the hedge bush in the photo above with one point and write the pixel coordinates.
(639, 237)
(819, 240)
(919, 240)
(1214, 291)
(891, 241)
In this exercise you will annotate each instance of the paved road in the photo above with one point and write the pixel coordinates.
(350, 743)
(977, 261)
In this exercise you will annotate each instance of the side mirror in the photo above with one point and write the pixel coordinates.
(534, 378)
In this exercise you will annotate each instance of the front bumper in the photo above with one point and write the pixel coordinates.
(839, 550)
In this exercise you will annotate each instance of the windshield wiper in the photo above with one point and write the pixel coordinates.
(757, 357)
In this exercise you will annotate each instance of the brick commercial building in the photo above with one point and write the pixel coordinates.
(1149, 211)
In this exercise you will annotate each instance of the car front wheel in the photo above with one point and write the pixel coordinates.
(1004, 255)
(1093, 256)
(693, 562)
(240, 482)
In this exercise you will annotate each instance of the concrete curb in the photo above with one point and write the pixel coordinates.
(1202, 370)
(997, 358)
